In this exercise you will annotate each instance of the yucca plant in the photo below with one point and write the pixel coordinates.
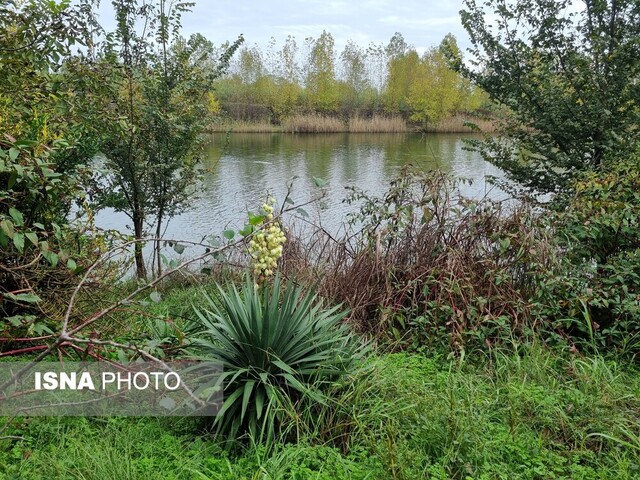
(278, 346)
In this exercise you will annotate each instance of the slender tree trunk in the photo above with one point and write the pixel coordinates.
(138, 231)
(158, 234)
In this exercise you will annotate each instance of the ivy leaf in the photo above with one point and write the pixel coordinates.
(178, 248)
(229, 234)
(40, 328)
(247, 230)
(15, 320)
(23, 297)
(255, 219)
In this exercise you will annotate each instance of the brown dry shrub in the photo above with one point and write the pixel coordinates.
(425, 264)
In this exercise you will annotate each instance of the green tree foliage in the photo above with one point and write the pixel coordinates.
(356, 83)
(594, 293)
(320, 81)
(570, 79)
(391, 79)
(437, 91)
(161, 104)
(403, 73)
(45, 136)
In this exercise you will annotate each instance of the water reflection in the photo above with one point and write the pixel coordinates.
(240, 169)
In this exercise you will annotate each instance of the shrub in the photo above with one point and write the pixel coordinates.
(278, 347)
(427, 266)
(593, 292)
(40, 250)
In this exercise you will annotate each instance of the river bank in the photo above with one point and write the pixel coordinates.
(318, 123)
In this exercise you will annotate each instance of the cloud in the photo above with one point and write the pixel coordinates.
(420, 22)
(423, 24)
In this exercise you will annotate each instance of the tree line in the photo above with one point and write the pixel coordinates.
(273, 83)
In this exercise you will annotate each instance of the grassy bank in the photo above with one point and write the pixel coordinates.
(317, 123)
(529, 413)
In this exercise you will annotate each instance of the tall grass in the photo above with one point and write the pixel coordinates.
(313, 123)
(321, 123)
(457, 124)
(377, 124)
(528, 413)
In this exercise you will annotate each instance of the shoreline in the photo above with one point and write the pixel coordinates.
(315, 123)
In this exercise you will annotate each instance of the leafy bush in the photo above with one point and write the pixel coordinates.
(278, 347)
(593, 292)
(39, 251)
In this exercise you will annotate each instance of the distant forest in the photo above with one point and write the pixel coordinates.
(275, 82)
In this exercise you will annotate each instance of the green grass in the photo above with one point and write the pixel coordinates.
(524, 414)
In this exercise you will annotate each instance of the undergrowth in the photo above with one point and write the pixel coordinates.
(527, 413)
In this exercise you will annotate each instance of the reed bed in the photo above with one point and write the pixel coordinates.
(456, 124)
(377, 124)
(244, 126)
(313, 123)
(318, 123)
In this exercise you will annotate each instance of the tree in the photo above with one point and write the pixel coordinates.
(403, 71)
(161, 101)
(571, 80)
(397, 47)
(354, 73)
(437, 91)
(321, 80)
(46, 133)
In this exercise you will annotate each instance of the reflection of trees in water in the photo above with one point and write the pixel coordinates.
(239, 173)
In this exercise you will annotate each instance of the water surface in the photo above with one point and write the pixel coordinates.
(241, 168)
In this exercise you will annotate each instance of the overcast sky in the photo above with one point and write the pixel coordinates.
(423, 23)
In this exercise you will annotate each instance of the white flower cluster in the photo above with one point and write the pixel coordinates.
(266, 245)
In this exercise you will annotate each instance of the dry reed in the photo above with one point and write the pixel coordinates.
(313, 123)
(244, 126)
(318, 123)
(456, 124)
(377, 124)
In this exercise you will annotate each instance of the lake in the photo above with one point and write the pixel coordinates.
(241, 168)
